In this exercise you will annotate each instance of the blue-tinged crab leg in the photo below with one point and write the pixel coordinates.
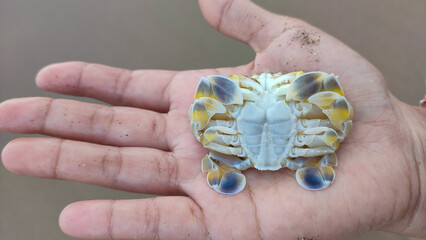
(331, 84)
(310, 83)
(322, 90)
(204, 89)
(305, 86)
(225, 90)
(317, 175)
(221, 177)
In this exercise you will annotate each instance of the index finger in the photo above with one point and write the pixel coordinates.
(146, 89)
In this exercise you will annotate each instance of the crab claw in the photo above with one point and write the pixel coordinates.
(220, 88)
(222, 178)
(305, 86)
(203, 89)
(319, 176)
(311, 83)
(225, 90)
(331, 84)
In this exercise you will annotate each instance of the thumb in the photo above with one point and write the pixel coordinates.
(242, 20)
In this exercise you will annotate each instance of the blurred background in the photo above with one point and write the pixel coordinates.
(172, 35)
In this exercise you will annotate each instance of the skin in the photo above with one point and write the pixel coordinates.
(142, 143)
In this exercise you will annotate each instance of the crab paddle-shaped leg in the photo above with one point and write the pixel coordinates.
(270, 121)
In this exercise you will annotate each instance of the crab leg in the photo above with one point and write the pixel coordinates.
(212, 95)
(317, 137)
(221, 135)
(317, 175)
(221, 123)
(336, 107)
(310, 152)
(308, 84)
(304, 124)
(249, 95)
(324, 91)
(225, 149)
(307, 110)
(282, 80)
(252, 84)
(221, 88)
(203, 110)
(222, 177)
(231, 161)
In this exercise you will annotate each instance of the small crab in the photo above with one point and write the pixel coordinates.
(270, 121)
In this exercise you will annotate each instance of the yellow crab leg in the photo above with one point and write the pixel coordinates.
(331, 84)
(203, 110)
(219, 134)
(223, 178)
(319, 175)
(203, 89)
(328, 138)
(324, 99)
(340, 112)
(316, 137)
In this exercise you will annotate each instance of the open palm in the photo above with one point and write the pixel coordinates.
(144, 144)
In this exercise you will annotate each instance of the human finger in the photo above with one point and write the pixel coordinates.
(286, 44)
(119, 126)
(242, 20)
(143, 170)
(146, 89)
(153, 218)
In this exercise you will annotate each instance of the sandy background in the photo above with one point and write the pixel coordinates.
(171, 35)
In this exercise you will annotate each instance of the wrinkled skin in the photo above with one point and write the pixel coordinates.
(379, 181)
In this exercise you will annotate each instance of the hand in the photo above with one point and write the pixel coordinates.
(143, 144)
